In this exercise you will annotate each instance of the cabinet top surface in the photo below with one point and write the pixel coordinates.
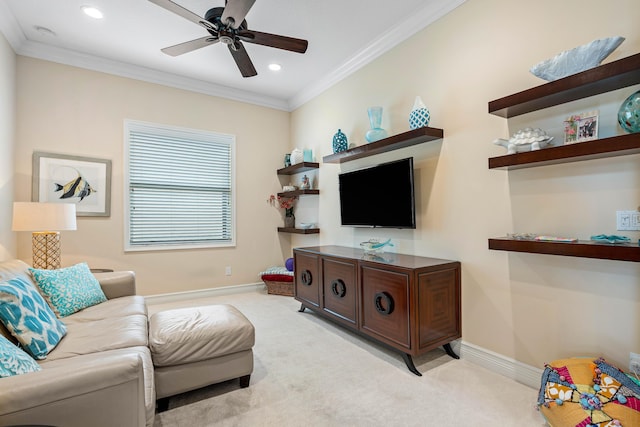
(385, 258)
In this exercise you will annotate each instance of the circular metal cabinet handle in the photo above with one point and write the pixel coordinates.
(306, 278)
(388, 302)
(338, 288)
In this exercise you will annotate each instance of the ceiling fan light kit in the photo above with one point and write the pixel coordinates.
(227, 25)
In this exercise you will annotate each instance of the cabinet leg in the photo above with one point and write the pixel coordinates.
(302, 307)
(449, 350)
(409, 361)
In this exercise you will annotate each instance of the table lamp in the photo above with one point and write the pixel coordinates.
(45, 220)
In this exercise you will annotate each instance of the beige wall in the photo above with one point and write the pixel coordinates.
(67, 110)
(7, 138)
(533, 308)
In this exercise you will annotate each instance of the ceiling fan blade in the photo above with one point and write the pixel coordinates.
(189, 46)
(274, 40)
(242, 59)
(181, 11)
(236, 10)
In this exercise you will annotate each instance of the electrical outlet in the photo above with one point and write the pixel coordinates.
(634, 363)
(227, 270)
(628, 220)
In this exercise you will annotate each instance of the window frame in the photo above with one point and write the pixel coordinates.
(196, 134)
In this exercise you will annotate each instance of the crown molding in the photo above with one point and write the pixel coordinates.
(9, 27)
(433, 11)
(96, 63)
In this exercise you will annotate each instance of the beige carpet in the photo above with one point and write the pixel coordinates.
(310, 372)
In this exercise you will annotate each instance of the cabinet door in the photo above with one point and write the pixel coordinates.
(385, 306)
(438, 307)
(339, 289)
(307, 279)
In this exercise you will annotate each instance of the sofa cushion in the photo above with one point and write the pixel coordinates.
(117, 307)
(102, 335)
(69, 289)
(14, 361)
(28, 317)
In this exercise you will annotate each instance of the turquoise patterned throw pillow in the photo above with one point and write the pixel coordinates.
(69, 289)
(28, 317)
(14, 361)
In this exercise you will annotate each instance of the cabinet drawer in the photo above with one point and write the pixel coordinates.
(439, 307)
(307, 278)
(385, 306)
(339, 289)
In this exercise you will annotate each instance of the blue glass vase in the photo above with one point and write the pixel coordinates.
(376, 133)
(629, 113)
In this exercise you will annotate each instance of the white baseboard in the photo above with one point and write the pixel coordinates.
(203, 293)
(510, 368)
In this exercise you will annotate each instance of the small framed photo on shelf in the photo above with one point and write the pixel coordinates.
(581, 127)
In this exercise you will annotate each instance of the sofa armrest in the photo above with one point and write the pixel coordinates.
(117, 283)
(105, 392)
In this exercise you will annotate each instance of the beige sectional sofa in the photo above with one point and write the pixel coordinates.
(100, 374)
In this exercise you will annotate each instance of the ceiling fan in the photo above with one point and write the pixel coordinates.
(227, 25)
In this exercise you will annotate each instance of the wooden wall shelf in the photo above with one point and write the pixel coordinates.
(298, 167)
(298, 230)
(621, 145)
(395, 142)
(582, 248)
(298, 193)
(604, 78)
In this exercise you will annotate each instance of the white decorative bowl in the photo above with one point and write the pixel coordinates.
(306, 225)
(576, 60)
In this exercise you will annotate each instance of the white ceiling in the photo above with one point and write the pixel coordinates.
(343, 36)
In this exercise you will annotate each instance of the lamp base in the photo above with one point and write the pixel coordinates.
(46, 250)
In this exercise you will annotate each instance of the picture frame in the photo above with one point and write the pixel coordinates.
(581, 127)
(84, 181)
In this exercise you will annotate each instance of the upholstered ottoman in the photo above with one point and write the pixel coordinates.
(196, 347)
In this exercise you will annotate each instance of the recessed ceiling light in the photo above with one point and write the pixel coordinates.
(92, 12)
(275, 67)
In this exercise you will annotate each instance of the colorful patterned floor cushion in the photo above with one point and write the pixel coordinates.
(582, 392)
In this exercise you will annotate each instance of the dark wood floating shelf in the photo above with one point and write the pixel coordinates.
(298, 167)
(604, 78)
(582, 248)
(395, 142)
(298, 193)
(621, 145)
(298, 230)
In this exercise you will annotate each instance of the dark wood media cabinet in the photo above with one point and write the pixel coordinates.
(409, 303)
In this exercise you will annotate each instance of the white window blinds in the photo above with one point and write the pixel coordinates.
(180, 187)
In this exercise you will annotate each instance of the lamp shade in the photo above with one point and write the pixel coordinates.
(34, 216)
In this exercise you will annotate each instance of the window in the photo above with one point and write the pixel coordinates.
(179, 188)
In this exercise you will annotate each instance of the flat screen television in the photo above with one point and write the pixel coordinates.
(379, 196)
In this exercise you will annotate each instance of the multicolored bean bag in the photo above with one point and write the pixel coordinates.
(582, 392)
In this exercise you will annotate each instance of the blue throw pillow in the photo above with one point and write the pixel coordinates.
(28, 317)
(69, 289)
(14, 361)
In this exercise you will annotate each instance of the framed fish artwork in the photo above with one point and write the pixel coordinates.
(83, 181)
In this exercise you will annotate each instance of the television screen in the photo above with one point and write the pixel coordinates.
(379, 196)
